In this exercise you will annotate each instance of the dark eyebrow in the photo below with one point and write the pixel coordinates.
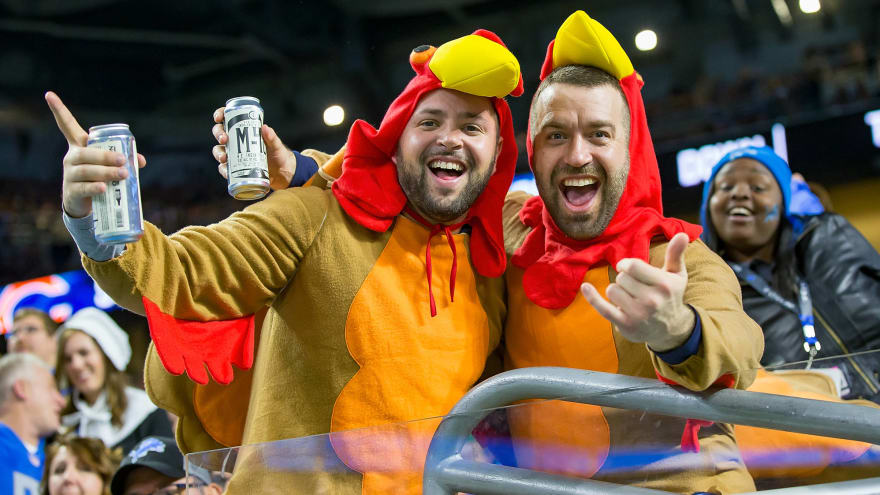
(601, 123)
(472, 115)
(550, 124)
(437, 112)
(432, 111)
(555, 124)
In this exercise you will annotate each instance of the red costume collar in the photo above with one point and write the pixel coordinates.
(554, 263)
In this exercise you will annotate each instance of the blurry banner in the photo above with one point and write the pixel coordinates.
(694, 165)
(524, 182)
(843, 147)
(872, 119)
(60, 295)
(837, 148)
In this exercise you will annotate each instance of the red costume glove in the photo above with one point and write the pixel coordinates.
(185, 345)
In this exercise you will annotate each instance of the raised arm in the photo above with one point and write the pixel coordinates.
(223, 272)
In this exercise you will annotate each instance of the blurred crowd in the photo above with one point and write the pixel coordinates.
(71, 423)
(31, 228)
(829, 76)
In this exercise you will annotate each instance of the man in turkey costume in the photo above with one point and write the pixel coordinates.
(385, 297)
(673, 308)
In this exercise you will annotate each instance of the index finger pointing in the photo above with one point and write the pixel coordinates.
(68, 125)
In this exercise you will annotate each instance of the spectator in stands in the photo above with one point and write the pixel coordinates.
(30, 406)
(81, 466)
(796, 272)
(93, 352)
(155, 466)
(34, 331)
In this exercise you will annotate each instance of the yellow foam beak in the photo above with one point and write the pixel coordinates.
(476, 65)
(581, 40)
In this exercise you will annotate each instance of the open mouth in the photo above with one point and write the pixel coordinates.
(579, 191)
(740, 212)
(446, 170)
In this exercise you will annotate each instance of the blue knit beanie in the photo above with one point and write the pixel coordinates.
(762, 154)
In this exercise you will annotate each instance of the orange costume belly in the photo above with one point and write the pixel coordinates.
(412, 366)
(784, 454)
(562, 437)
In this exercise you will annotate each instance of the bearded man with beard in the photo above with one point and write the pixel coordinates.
(384, 293)
(596, 231)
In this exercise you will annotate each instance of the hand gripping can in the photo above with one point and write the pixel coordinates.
(247, 168)
(117, 211)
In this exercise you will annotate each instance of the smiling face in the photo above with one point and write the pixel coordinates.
(69, 475)
(746, 209)
(581, 155)
(447, 154)
(84, 365)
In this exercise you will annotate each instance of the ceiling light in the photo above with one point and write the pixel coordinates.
(334, 115)
(646, 40)
(810, 6)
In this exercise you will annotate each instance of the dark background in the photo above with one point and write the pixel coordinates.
(723, 69)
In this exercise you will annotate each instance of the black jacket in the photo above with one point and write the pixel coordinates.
(843, 272)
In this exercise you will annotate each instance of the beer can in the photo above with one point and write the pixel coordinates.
(117, 211)
(247, 168)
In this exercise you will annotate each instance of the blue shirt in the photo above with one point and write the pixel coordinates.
(20, 471)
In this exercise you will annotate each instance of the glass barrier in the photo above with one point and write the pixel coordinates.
(563, 435)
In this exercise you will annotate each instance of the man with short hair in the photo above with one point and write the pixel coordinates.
(601, 280)
(33, 331)
(30, 408)
(155, 466)
(385, 293)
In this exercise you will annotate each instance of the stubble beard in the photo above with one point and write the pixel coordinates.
(588, 225)
(413, 179)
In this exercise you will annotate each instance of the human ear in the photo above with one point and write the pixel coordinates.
(498, 148)
(21, 389)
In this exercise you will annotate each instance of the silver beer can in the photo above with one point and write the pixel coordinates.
(247, 168)
(117, 211)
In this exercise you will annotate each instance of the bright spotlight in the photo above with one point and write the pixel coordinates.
(334, 115)
(810, 6)
(646, 40)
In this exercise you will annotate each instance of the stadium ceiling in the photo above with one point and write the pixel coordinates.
(168, 60)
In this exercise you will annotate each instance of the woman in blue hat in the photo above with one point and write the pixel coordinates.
(811, 282)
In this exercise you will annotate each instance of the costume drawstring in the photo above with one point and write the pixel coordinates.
(690, 439)
(434, 230)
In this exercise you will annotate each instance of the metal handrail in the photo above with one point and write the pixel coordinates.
(447, 473)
